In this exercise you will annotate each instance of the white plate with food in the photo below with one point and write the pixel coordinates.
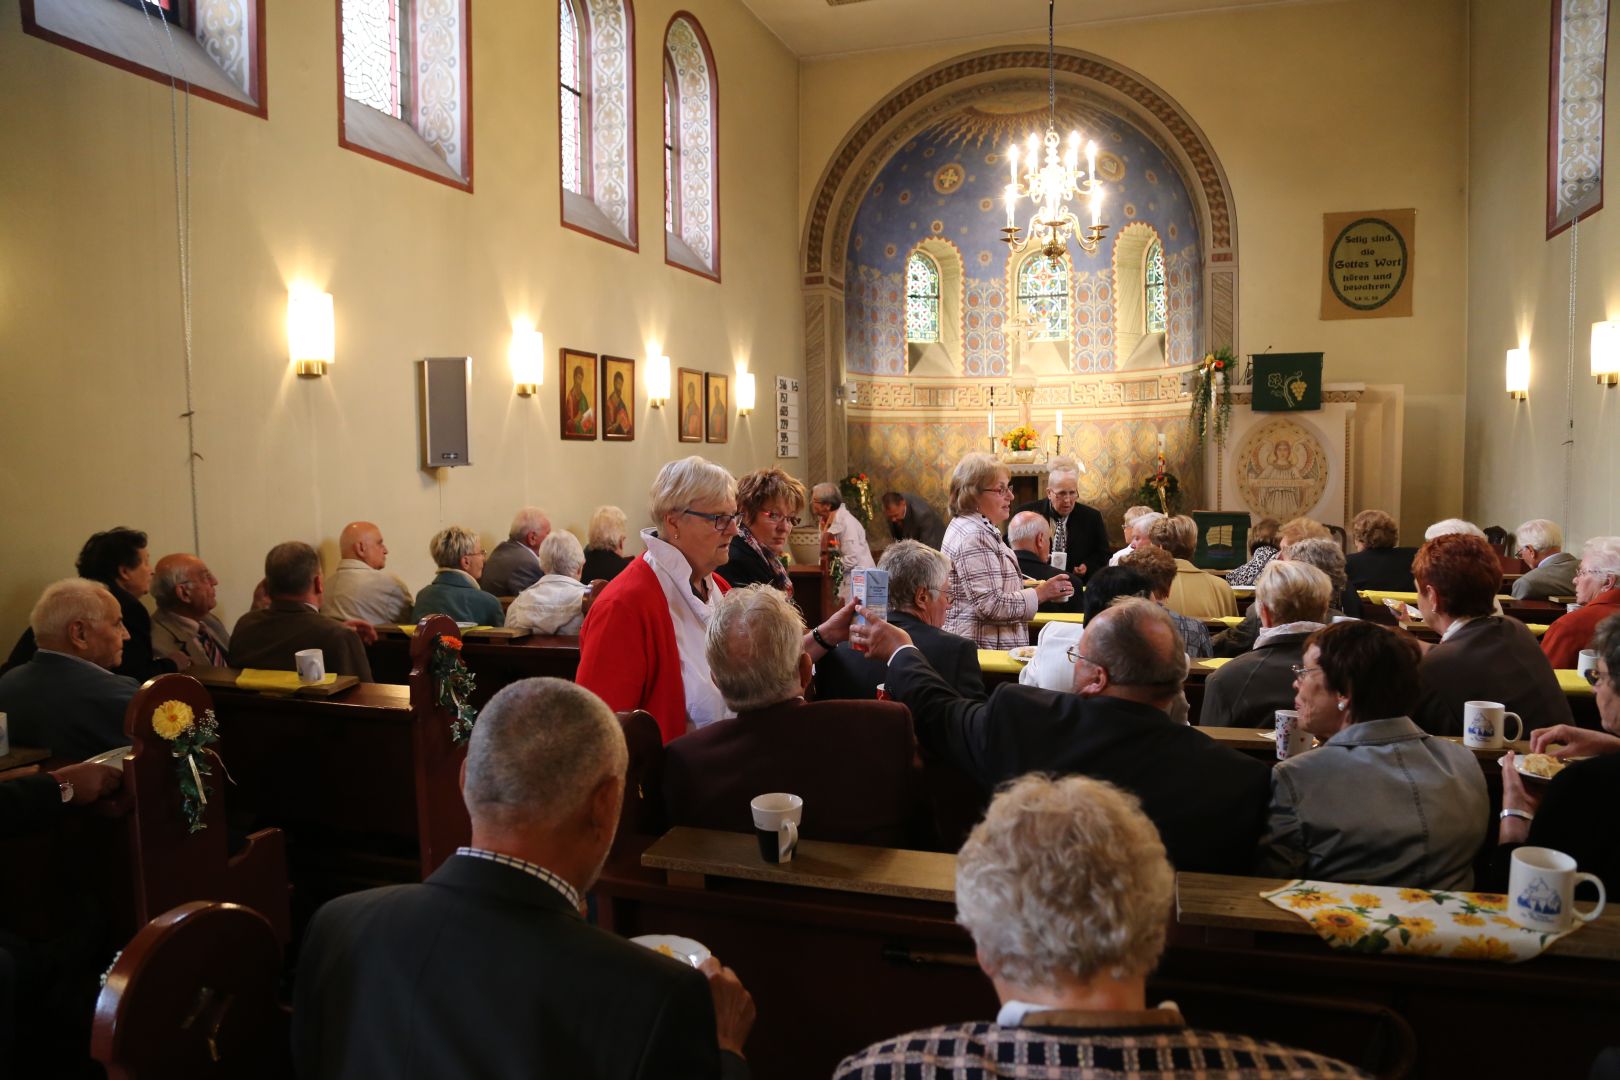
(1022, 653)
(114, 757)
(1539, 766)
(675, 947)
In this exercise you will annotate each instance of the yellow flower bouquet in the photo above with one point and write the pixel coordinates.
(1022, 437)
(189, 737)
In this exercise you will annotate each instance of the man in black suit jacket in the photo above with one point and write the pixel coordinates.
(67, 698)
(912, 519)
(1030, 535)
(488, 969)
(1077, 529)
(514, 565)
(1208, 802)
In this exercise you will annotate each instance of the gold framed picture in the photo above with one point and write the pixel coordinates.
(717, 398)
(689, 405)
(577, 382)
(618, 412)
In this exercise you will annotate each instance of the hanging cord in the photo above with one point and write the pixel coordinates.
(1569, 366)
(182, 216)
(1051, 65)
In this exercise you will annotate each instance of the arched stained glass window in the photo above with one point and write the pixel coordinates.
(692, 229)
(669, 152)
(1043, 296)
(371, 41)
(1154, 293)
(922, 298)
(573, 98)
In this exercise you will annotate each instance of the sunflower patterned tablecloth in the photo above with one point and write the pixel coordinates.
(1411, 922)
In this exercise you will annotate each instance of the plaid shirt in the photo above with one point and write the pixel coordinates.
(987, 599)
(535, 870)
(1139, 1050)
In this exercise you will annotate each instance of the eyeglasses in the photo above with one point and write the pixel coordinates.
(1300, 670)
(1060, 493)
(721, 522)
(1075, 656)
(775, 519)
(1002, 490)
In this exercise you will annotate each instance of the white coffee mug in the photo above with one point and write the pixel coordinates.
(311, 665)
(1483, 722)
(1541, 890)
(776, 825)
(1059, 559)
(1291, 738)
(1587, 661)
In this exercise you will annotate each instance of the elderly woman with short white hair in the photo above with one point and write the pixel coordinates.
(557, 603)
(1292, 599)
(642, 643)
(987, 601)
(604, 545)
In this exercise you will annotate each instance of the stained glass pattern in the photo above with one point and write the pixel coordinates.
(1043, 296)
(1154, 300)
(693, 167)
(611, 121)
(221, 27)
(1582, 29)
(371, 53)
(922, 298)
(669, 161)
(439, 86)
(569, 92)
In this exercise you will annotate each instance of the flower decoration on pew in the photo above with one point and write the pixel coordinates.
(455, 687)
(189, 737)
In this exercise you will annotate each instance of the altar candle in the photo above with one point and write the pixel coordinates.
(1161, 444)
(1060, 422)
(990, 423)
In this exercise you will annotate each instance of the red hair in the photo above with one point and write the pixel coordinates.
(1463, 571)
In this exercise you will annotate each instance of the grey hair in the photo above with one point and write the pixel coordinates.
(527, 520)
(1027, 526)
(1453, 525)
(1327, 556)
(1064, 879)
(1540, 534)
(607, 530)
(1125, 644)
(690, 480)
(64, 603)
(827, 494)
(1137, 511)
(290, 568)
(1295, 590)
(1062, 465)
(970, 477)
(1143, 524)
(166, 579)
(753, 645)
(1606, 640)
(560, 553)
(1603, 553)
(538, 750)
(911, 566)
(450, 545)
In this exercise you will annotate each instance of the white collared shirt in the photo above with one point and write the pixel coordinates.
(534, 870)
(1302, 627)
(691, 616)
(356, 591)
(1457, 625)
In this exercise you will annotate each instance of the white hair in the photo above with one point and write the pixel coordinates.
(450, 545)
(527, 520)
(1294, 591)
(690, 480)
(1142, 524)
(1327, 556)
(753, 645)
(64, 603)
(1541, 534)
(1602, 553)
(607, 528)
(1453, 525)
(1062, 465)
(1027, 527)
(911, 566)
(560, 553)
(1064, 878)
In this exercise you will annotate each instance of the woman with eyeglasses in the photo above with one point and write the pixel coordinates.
(1573, 812)
(1597, 590)
(770, 502)
(642, 645)
(987, 598)
(1379, 802)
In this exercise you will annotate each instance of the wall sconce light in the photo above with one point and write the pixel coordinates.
(745, 393)
(1606, 353)
(527, 355)
(657, 380)
(310, 331)
(1518, 374)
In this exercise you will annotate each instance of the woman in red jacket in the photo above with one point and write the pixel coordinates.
(642, 643)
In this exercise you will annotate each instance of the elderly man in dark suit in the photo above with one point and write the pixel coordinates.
(1030, 536)
(185, 624)
(854, 763)
(514, 565)
(293, 621)
(1077, 530)
(67, 697)
(1208, 802)
(918, 576)
(912, 519)
(1292, 598)
(488, 967)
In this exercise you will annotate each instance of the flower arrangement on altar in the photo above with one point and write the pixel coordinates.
(1212, 396)
(455, 687)
(857, 492)
(177, 723)
(1023, 437)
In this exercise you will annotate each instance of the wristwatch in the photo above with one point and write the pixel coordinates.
(66, 788)
(1509, 811)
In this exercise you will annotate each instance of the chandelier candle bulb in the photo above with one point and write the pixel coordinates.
(1012, 168)
(1091, 162)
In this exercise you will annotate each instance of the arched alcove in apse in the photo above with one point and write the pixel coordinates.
(928, 164)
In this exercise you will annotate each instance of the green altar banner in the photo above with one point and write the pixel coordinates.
(1287, 382)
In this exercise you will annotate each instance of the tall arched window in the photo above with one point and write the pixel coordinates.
(691, 177)
(572, 95)
(371, 55)
(596, 113)
(1154, 297)
(922, 298)
(1043, 296)
(669, 149)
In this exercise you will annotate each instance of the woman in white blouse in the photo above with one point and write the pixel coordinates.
(987, 598)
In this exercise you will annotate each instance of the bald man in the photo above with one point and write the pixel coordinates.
(358, 588)
(184, 625)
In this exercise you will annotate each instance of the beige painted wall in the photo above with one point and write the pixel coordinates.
(1312, 108)
(91, 382)
(1519, 286)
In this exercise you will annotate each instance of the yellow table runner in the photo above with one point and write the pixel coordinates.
(997, 662)
(1378, 596)
(1573, 683)
(1377, 919)
(1213, 662)
(262, 679)
(1043, 617)
(410, 629)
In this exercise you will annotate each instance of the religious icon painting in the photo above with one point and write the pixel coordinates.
(689, 405)
(618, 412)
(717, 392)
(579, 394)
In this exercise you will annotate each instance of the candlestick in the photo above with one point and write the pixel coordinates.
(1060, 421)
(990, 424)
(1058, 439)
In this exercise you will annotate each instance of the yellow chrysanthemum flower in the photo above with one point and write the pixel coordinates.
(1482, 948)
(1414, 896)
(1341, 925)
(1464, 919)
(1419, 927)
(172, 719)
(1366, 900)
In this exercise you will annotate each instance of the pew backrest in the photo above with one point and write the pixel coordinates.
(441, 815)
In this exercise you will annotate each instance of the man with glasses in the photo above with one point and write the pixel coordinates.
(1078, 532)
(1552, 569)
(1208, 801)
(1597, 590)
(912, 519)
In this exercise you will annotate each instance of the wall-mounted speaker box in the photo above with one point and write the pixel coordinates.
(444, 385)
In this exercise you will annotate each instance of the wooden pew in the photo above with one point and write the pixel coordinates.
(495, 662)
(442, 824)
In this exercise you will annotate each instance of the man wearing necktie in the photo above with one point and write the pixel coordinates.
(184, 627)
